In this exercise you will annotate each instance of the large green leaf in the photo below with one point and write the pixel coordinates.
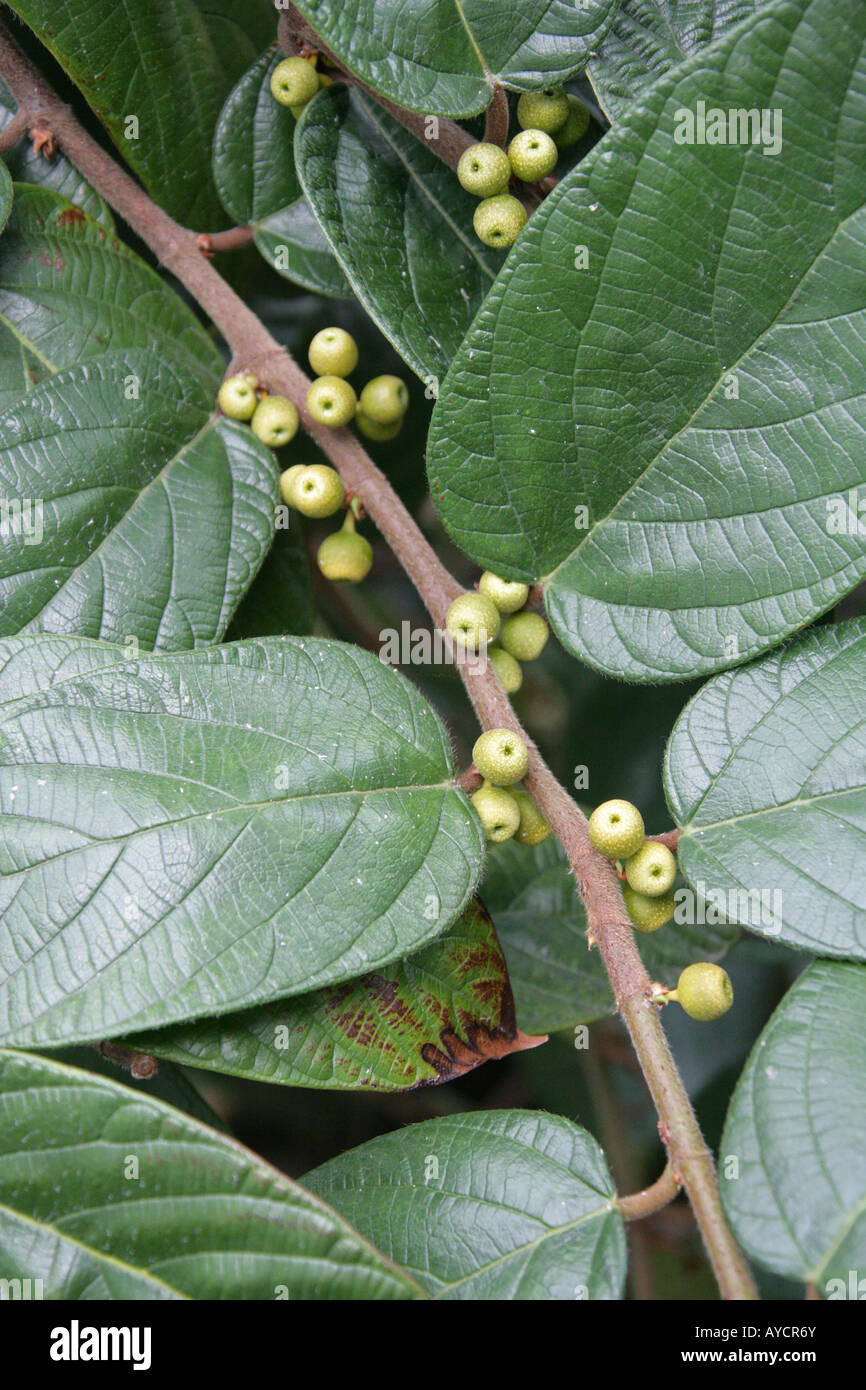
(279, 602)
(649, 37)
(541, 923)
(699, 387)
(254, 171)
(766, 774)
(28, 165)
(504, 1205)
(168, 64)
(194, 834)
(418, 1022)
(135, 518)
(442, 56)
(796, 1197)
(400, 226)
(106, 1194)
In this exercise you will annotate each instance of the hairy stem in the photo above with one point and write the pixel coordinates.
(651, 1199)
(608, 925)
(13, 131)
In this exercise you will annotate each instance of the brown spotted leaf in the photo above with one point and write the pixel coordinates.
(426, 1019)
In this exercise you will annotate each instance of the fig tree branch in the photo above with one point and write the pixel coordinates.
(609, 927)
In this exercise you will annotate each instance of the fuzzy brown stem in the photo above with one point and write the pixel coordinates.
(13, 131)
(140, 1065)
(496, 118)
(659, 1194)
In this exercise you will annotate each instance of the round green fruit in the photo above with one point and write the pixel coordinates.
(275, 421)
(333, 352)
(546, 110)
(345, 555)
(473, 621)
(648, 914)
(507, 594)
(533, 827)
(317, 491)
(484, 170)
(331, 401)
(507, 669)
(575, 126)
(704, 990)
(294, 81)
(532, 155)
(524, 636)
(384, 400)
(286, 480)
(237, 397)
(616, 829)
(498, 221)
(376, 433)
(498, 811)
(651, 870)
(501, 757)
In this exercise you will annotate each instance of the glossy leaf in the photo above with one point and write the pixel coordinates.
(418, 1022)
(279, 602)
(201, 1217)
(254, 171)
(28, 165)
(194, 834)
(649, 37)
(399, 224)
(157, 79)
(540, 920)
(699, 387)
(442, 57)
(766, 775)
(134, 514)
(505, 1205)
(795, 1126)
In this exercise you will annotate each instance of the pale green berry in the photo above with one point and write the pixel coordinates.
(704, 990)
(372, 430)
(546, 110)
(501, 757)
(575, 126)
(616, 829)
(524, 635)
(275, 421)
(498, 811)
(237, 397)
(651, 870)
(333, 352)
(507, 669)
(286, 480)
(345, 555)
(532, 154)
(298, 110)
(331, 401)
(294, 81)
(473, 621)
(507, 594)
(533, 827)
(484, 170)
(648, 914)
(317, 491)
(498, 221)
(384, 400)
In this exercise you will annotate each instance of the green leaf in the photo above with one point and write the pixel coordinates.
(766, 774)
(169, 1083)
(649, 37)
(418, 1022)
(699, 387)
(5, 195)
(27, 165)
(442, 57)
(795, 1126)
(202, 1217)
(133, 518)
(498, 1205)
(399, 224)
(169, 65)
(255, 175)
(279, 602)
(540, 921)
(69, 291)
(198, 833)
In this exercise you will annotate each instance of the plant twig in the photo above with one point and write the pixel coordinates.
(496, 118)
(651, 1199)
(230, 240)
(13, 131)
(608, 923)
(140, 1065)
